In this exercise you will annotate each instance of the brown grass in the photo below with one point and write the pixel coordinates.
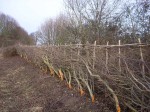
(9, 52)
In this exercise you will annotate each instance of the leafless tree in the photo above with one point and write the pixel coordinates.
(91, 15)
(11, 32)
(48, 32)
(56, 31)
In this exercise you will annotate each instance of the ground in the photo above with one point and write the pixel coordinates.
(25, 88)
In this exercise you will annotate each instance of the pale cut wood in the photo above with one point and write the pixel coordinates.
(142, 59)
(107, 55)
(119, 57)
(94, 55)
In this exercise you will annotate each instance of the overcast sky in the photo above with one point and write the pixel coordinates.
(30, 14)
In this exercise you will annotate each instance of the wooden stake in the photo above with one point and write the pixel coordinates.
(71, 56)
(107, 55)
(142, 59)
(65, 52)
(78, 51)
(143, 70)
(94, 55)
(119, 57)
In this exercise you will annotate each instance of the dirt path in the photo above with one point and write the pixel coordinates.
(24, 88)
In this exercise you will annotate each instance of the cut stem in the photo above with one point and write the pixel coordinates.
(61, 74)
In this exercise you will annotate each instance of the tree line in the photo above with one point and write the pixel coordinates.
(85, 20)
(12, 33)
(98, 20)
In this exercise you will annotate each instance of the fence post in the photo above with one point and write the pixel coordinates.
(94, 55)
(71, 55)
(142, 59)
(119, 57)
(65, 52)
(78, 52)
(107, 55)
(87, 52)
(143, 70)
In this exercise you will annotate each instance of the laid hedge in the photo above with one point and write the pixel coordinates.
(97, 70)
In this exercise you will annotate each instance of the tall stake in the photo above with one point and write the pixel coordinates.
(142, 59)
(119, 57)
(94, 56)
(71, 55)
(143, 70)
(78, 51)
(87, 48)
(107, 55)
(65, 56)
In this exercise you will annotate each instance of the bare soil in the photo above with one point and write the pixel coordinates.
(25, 88)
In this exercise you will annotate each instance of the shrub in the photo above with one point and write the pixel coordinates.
(10, 51)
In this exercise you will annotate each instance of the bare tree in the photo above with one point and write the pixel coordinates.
(11, 32)
(62, 26)
(91, 15)
(48, 32)
(55, 31)
(135, 20)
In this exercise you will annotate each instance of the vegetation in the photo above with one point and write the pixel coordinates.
(121, 71)
(118, 71)
(98, 20)
(11, 33)
(9, 51)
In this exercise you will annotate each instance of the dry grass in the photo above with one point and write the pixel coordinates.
(9, 52)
